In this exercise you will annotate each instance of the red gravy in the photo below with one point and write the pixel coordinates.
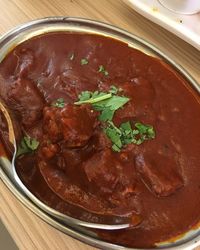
(74, 170)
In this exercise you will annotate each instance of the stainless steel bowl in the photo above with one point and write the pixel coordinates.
(68, 24)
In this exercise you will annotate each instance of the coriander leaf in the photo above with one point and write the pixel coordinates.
(92, 100)
(114, 134)
(107, 103)
(117, 102)
(103, 70)
(151, 132)
(32, 143)
(109, 106)
(146, 130)
(106, 115)
(98, 94)
(101, 105)
(126, 126)
(115, 148)
(113, 90)
(141, 127)
(135, 131)
(59, 103)
(138, 141)
(27, 145)
(125, 135)
(84, 61)
(22, 149)
(114, 137)
(85, 95)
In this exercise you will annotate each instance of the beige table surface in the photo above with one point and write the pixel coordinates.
(28, 231)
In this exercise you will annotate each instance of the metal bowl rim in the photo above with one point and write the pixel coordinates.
(23, 199)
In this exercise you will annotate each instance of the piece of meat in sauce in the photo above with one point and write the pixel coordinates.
(25, 99)
(114, 179)
(161, 176)
(73, 194)
(73, 124)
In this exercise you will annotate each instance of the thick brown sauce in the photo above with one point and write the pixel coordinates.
(157, 182)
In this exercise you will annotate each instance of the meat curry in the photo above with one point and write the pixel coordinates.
(105, 130)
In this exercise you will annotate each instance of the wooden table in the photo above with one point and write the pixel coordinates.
(28, 231)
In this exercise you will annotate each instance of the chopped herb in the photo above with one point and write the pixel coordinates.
(59, 103)
(89, 97)
(107, 103)
(71, 57)
(115, 148)
(27, 145)
(109, 106)
(106, 114)
(146, 130)
(84, 61)
(125, 135)
(114, 90)
(84, 96)
(103, 70)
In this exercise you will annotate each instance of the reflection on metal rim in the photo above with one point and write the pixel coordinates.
(70, 24)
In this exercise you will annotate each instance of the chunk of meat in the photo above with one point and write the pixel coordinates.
(101, 169)
(109, 174)
(73, 124)
(100, 141)
(49, 150)
(25, 99)
(73, 194)
(161, 177)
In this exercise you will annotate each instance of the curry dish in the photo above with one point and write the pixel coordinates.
(104, 130)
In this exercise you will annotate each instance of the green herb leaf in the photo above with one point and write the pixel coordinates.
(107, 103)
(84, 61)
(117, 102)
(145, 130)
(59, 103)
(27, 145)
(98, 97)
(109, 106)
(115, 148)
(103, 70)
(114, 134)
(113, 90)
(31, 143)
(85, 95)
(125, 135)
(106, 114)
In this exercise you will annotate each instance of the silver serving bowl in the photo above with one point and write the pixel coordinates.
(26, 31)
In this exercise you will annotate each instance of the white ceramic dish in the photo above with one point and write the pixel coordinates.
(186, 27)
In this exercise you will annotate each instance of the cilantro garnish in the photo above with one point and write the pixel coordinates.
(84, 61)
(109, 106)
(125, 135)
(114, 90)
(146, 131)
(59, 103)
(27, 145)
(107, 103)
(103, 70)
(92, 97)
